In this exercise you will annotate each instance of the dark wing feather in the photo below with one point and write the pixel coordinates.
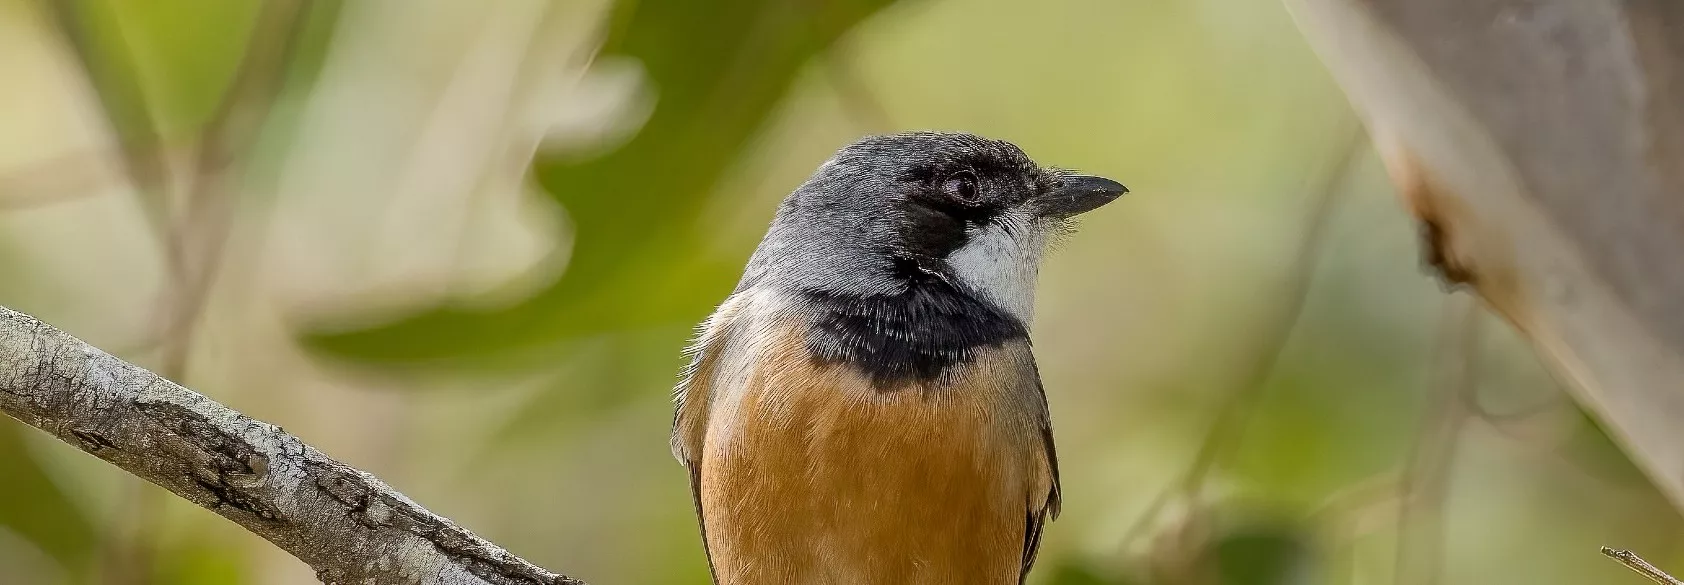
(1031, 542)
(701, 520)
(1041, 512)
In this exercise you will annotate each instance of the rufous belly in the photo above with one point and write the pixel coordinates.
(809, 475)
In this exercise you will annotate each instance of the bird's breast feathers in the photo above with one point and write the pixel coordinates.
(808, 471)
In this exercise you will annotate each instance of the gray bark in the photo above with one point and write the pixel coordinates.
(346, 524)
(1541, 145)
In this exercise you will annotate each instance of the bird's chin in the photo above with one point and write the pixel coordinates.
(1058, 231)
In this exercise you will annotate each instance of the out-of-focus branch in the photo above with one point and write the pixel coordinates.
(346, 524)
(859, 102)
(1636, 563)
(1420, 542)
(1233, 415)
(1354, 511)
(61, 178)
(195, 241)
(117, 85)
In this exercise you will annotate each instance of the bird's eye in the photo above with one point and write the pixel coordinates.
(960, 186)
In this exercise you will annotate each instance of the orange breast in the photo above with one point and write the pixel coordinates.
(809, 475)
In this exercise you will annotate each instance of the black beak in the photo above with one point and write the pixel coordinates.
(1077, 194)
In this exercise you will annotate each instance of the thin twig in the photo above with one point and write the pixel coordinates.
(1636, 563)
(1420, 542)
(1233, 415)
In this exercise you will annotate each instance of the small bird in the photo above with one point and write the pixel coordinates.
(864, 408)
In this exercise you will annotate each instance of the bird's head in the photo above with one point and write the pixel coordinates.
(888, 212)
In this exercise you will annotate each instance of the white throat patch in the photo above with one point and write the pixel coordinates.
(1000, 262)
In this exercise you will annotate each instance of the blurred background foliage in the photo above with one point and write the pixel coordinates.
(461, 244)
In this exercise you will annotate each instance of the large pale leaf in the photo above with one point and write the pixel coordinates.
(1541, 145)
(717, 70)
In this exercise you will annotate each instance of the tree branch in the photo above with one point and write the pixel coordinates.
(346, 524)
(1426, 481)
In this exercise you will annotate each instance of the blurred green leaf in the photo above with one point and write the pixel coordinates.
(1264, 555)
(201, 560)
(162, 69)
(159, 68)
(1313, 434)
(1076, 572)
(306, 54)
(185, 53)
(321, 21)
(718, 69)
(97, 38)
(35, 508)
(594, 380)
